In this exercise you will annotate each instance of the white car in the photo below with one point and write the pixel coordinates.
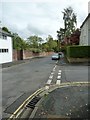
(56, 56)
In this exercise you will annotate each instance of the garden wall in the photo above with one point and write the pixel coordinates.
(26, 54)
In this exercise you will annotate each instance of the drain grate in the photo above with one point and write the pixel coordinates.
(33, 102)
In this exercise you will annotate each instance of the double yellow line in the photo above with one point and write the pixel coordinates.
(17, 112)
(14, 115)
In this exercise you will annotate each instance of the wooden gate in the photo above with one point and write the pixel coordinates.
(20, 55)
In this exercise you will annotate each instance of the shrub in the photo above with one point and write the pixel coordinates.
(35, 50)
(78, 51)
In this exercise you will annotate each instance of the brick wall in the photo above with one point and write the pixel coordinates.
(28, 54)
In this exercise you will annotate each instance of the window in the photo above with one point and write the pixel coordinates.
(6, 50)
(4, 37)
(3, 50)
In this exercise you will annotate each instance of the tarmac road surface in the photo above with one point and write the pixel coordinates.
(20, 81)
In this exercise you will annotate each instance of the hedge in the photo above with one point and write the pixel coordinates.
(78, 51)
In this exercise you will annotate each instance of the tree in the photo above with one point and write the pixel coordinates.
(34, 41)
(6, 29)
(70, 21)
(19, 43)
(50, 45)
(61, 34)
(75, 37)
(45, 47)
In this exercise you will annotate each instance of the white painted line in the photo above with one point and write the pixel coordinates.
(52, 73)
(51, 76)
(58, 82)
(55, 66)
(56, 61)
(60, 71)
(46, 87)
(53, 69)
(58, 77)
(49, 82)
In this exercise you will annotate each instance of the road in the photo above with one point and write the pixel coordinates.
(20, 81)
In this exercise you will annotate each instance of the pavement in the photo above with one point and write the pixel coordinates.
(9, 64)
(66, 102)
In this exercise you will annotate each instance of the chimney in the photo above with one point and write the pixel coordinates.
(88, 7)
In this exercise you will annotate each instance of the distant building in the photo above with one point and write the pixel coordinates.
(5, 47)
(85, 31)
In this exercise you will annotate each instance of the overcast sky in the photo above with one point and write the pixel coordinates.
(39, 17)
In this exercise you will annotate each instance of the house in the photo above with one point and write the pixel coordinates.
(85, 29)
(5, 47)
(85, 32)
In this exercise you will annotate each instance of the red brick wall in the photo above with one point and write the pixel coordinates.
(28, 54)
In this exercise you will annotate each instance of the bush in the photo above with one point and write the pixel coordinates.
(35, 50)
(78, 51)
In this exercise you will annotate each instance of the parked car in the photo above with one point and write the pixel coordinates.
(56, 56)
(61, 54)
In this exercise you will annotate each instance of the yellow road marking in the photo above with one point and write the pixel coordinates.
(22, 105)
(41, 90)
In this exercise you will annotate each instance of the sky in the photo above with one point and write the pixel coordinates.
(39, 17)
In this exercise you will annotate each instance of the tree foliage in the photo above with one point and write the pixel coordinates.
(6, 29)
(19, 43)
(69, 35)
(34, 41)
(70, 21)
(50, 45)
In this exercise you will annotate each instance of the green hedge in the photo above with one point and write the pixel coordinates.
(78, 51)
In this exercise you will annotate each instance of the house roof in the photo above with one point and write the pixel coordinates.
(5, 33)
(85, 20)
